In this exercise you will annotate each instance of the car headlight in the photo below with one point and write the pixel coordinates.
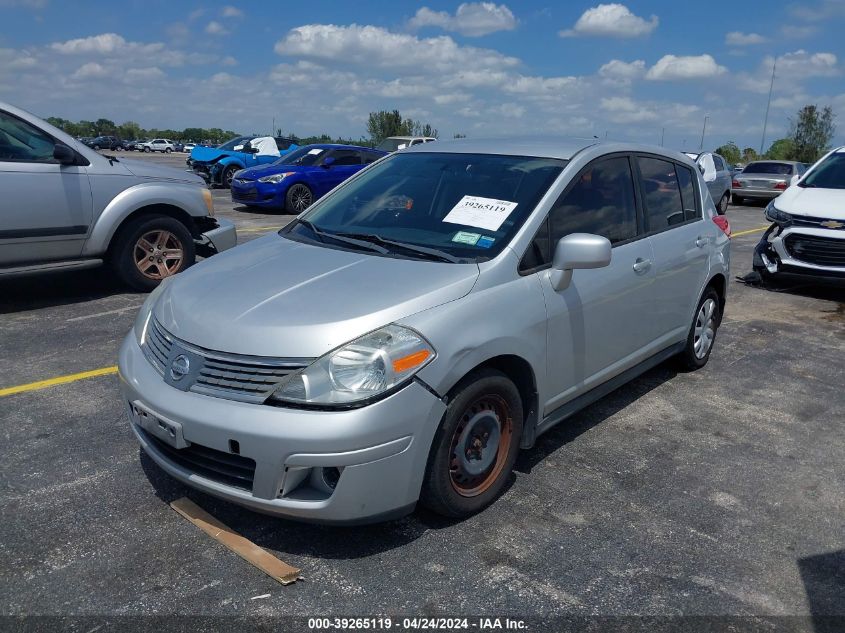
(276, 178)
(776, 215)
(373, 365)
(142, 320)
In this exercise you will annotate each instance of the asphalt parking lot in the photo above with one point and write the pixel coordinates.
(708, 493)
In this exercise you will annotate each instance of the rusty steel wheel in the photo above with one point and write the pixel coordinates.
(158, 254)
(480, 445)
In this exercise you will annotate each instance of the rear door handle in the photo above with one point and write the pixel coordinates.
(701, 242)
(641, 265)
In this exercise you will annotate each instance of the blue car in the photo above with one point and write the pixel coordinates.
(217, 165)
(305, 174)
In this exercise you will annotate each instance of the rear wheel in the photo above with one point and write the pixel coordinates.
(298, 198)
(723, 204)
(474, 449)
(702, 333)
(167, 150)
(147, 149)
(150, 248)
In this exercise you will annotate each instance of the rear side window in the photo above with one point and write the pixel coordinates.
(661, 193)
(370, 157)
(779, 169)
(685, 177)
(720, 165)
(602, 202)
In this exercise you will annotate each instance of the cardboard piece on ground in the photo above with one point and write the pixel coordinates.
(243, 547)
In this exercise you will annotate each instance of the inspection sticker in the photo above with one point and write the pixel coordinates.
(484, 213)
(485, 241)
(316, 150)
(463, 237)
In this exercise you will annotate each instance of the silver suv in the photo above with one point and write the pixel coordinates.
(404, 337)
(717, 176)
(66, 206)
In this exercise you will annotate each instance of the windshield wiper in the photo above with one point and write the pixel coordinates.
(431, 253)
(340, 237)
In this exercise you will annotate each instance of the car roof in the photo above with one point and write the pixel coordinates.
(773, 160)
(341, 146)
(563, 148)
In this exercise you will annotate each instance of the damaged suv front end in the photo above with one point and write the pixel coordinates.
(807, 236)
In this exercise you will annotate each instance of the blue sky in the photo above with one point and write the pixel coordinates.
(633, 70)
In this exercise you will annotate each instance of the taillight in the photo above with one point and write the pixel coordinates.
(722, 222)
(736, 184)
(781, 186)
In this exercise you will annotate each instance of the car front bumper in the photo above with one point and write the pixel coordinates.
(379, 451)
(216, 240)
(258, 194)
(804, 250)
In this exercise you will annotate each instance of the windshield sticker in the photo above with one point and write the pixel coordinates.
(485, 241)
(484, 213)
(462, 237)
(315, 151)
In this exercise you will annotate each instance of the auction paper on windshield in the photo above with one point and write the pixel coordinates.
(484, 213)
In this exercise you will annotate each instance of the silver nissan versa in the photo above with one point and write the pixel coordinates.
(406, 336)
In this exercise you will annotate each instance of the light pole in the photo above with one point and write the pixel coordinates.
(768, 103)
(703, 129)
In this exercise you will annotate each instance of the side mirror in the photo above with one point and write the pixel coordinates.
(578, 250)
(328, 162)
(64, 154)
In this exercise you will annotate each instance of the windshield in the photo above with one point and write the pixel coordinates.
(238, 140)
(305, 156)
(829, 174)
(392, 144)
(466, 205)
(780, 169)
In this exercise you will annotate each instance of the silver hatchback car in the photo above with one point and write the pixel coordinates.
(401, 340)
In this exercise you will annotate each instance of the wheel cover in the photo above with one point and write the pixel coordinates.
(705, 329)
(723, 203)
(480, 446)
(300, 197)
(158, 254)
(229, 176)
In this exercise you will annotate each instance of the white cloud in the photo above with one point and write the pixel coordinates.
(617, 69)
(90, 70)
(26, 4)
(819, 12)
(472, 19)
(611, 20)
(672, 67)
(374, 46)
(801, 64)
(103, 44)
(229, 61)
(232, 12)
(737, 38)
(626, 110)
(795, 32)
(215, 28)
(144, 74)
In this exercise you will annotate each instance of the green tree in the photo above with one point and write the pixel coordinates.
(749, 155)
(781, 149)
(382, 124)
(730, 151)
(104, 127)
(811, 132)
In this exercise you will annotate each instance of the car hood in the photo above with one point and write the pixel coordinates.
(209, 154)
(151, 171)
(259, 171)
(821, 203)
(277, 297)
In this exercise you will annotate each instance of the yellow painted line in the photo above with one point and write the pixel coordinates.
(749, 231)
(59, 380)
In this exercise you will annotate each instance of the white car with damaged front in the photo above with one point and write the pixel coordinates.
(808, 231)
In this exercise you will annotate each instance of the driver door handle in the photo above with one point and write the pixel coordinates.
(641, 265)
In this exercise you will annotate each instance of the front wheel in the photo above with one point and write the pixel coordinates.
(475, 448)
(147, 149)
(167, 150)
(229, 175)
(150, 248)
(298, 198)
(702, 332)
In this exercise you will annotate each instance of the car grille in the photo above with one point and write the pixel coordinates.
(804, 220)
(241, 194)
(231, 376)
(226, 468)
(821, 251)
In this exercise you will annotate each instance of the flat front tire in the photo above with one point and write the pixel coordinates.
(474, 450)
(150, 248)
(702, 334)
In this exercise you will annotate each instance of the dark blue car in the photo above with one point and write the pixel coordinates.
(300, 177)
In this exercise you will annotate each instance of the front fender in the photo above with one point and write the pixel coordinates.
(188, 198)
(231, 160)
